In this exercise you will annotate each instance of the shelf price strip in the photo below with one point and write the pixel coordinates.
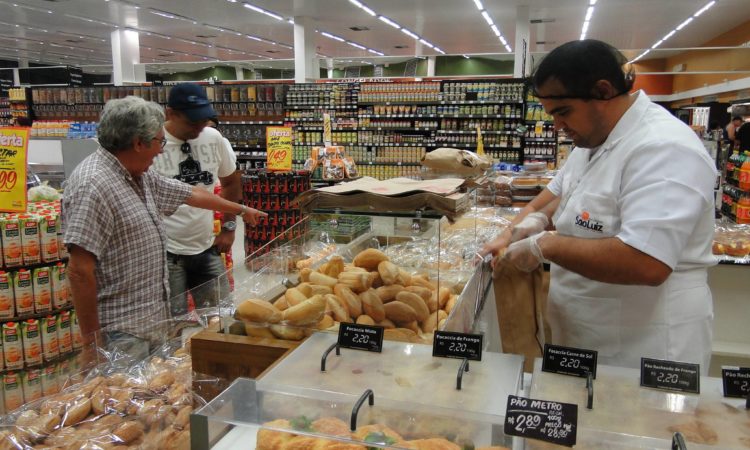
(547, 421)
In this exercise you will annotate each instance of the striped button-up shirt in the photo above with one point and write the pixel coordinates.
(118, 218)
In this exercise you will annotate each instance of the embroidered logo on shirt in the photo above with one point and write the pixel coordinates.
(584, 220)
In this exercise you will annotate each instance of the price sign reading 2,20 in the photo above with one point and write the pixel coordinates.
(360, 338)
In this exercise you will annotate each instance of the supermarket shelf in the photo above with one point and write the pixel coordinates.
(540, 139)
(321, 144)
(35, 266)
(399, 129)
(400, 116)
(538, 120)
(251, 157)
(55, 360)
(455, 145)
(40, 315)
(251, 122)
(397, 145)
(482, 102)
(259, 146)
(320, 128)
(321, 106)
(474, 132)
(477, 116)
(397, 163)
(433, 102)
(540, 156)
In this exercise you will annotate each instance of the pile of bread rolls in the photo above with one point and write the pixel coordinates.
(370, 291)
(268, 439)
(117, 411)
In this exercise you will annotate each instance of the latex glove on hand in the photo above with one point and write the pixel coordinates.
(525, 255)
(532, 224)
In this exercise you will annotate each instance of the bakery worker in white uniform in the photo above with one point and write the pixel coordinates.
(633, 214)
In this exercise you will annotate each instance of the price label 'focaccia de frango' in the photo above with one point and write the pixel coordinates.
(13, 150)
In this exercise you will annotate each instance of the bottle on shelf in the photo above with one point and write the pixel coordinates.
(744, 176)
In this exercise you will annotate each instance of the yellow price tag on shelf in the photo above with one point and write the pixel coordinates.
(279, 149)
(480, 142)
(14, 144)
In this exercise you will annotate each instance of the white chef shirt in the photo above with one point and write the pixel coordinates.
(189, 229)
(651, 182)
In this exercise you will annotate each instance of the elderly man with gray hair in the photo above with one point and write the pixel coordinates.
(113, 208)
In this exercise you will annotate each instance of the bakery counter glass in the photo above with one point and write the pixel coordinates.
(625, 415)
(387, 401)
(409, 273)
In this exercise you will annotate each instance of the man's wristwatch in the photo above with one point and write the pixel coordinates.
(229, 225)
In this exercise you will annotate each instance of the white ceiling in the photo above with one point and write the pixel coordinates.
(78, 31)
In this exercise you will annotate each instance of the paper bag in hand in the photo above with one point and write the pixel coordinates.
(521, 300)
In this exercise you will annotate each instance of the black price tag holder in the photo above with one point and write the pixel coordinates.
(356, 337)
(448, 344)
(670, 375)
(736, 381)
(543, 420)
(575, 362)
(678, 442)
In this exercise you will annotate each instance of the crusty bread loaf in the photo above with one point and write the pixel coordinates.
(306, 313)
(399, 312)
(369, 259)
(416, 302)
(350, 299)
(372, 305)
(259, 311)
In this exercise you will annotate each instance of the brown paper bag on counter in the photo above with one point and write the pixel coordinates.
(521, 300)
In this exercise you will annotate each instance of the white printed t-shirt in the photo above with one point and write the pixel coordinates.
(189, 229)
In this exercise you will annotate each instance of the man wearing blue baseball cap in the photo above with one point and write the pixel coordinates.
(197, 155)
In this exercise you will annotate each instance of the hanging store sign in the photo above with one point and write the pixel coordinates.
(279, 149)
(13, 149)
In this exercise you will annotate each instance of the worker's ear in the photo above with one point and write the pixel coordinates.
(603, 90)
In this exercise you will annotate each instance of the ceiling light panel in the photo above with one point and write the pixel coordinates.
(587, 19)
(392, 23)
(493, 26)
(679, 27)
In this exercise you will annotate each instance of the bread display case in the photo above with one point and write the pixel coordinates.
(409, 273)
(410, 401)
(627, 416)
